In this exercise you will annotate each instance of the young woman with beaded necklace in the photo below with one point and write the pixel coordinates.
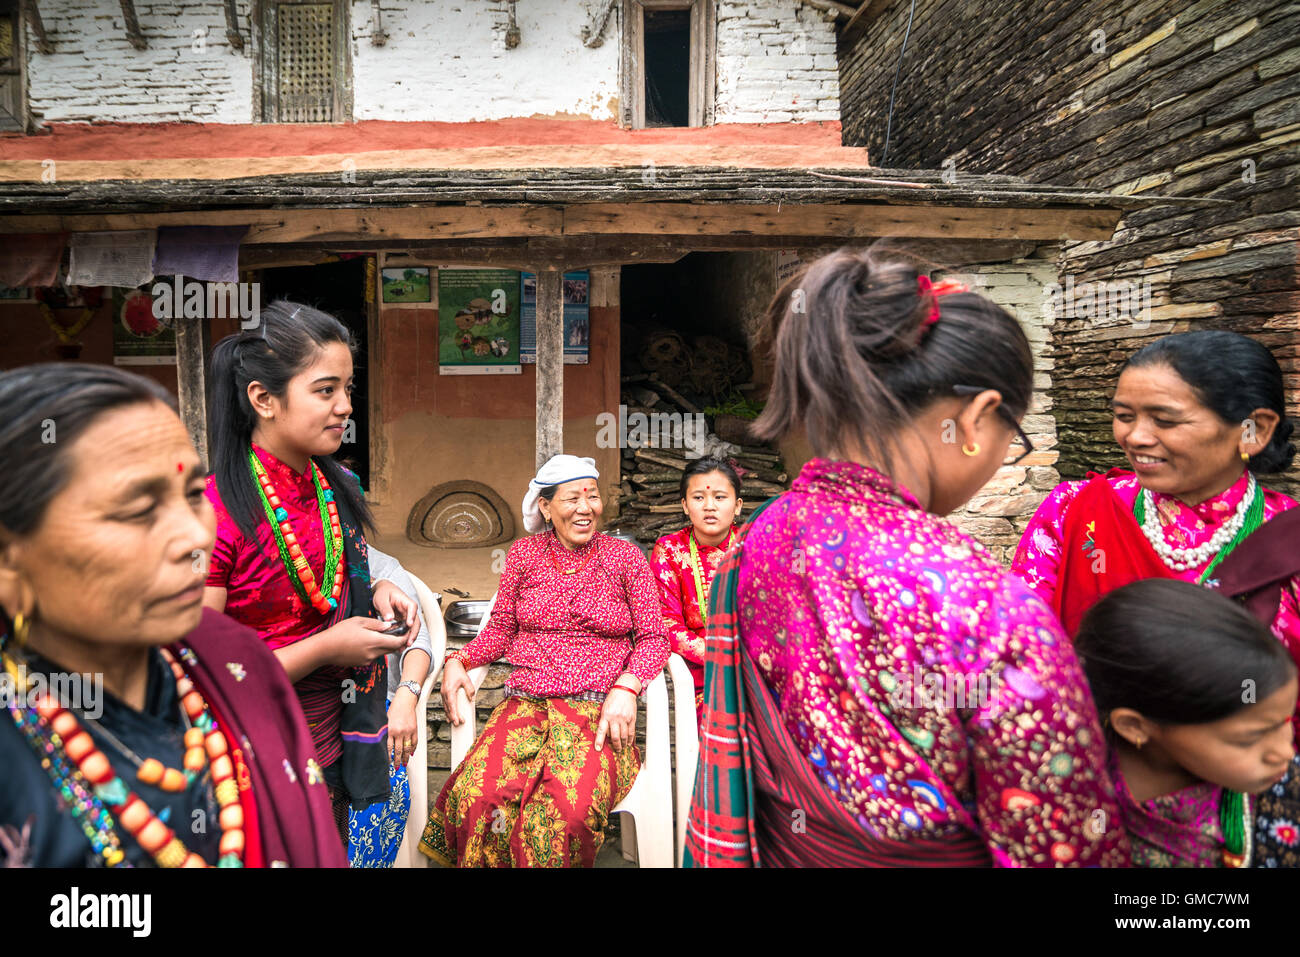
(290, 558)
(1197, 415)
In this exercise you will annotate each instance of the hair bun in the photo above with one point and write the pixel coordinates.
(1279, 454)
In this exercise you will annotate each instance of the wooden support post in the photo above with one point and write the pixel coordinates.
(233, 36)
(133, 25)
(550, 362)
(34, 21)
(193, 342)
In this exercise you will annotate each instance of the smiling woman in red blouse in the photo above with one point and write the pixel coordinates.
(684, 562)
(577, 613)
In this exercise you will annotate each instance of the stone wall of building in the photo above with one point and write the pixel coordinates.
(776, 63)
(998, 514)
(188, 72)
(1182, 98)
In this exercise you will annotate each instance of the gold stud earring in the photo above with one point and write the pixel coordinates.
(973, 450)
(21, 627)
(1245, 456)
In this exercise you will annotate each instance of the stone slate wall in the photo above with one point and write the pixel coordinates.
(1192, 99)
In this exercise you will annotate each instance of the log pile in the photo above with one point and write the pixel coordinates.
(650, 490)
(706, 365)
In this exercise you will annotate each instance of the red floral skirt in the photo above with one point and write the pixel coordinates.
(533, 791)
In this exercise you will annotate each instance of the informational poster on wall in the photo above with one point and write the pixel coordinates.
(577, 319)
(478, 322)
(788, 262)
(141, 337)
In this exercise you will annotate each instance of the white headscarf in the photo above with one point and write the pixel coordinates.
(558, 470)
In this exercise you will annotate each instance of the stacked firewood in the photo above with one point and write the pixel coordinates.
(650, 491)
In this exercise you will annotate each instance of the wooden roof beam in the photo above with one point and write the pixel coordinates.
(133, 25)
(866, 12)
(659, 221)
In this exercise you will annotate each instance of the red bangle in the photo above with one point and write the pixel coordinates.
(634, 694)
(457, 655)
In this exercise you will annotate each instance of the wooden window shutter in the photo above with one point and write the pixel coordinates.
(305, 62)
(13, 98)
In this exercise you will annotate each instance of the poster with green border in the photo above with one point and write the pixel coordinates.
(478, 322)
(141, 338)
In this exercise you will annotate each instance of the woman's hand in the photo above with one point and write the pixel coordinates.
(455, 677)
(393, 603)
(618, 715)
(357, 641)
(401, 727)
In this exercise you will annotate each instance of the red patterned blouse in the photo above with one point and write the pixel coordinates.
(573, 621)
(682, 611)
(258, 591)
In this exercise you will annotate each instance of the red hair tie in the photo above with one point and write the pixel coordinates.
(934, 290)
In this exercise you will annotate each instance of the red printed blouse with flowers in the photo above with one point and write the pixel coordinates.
(573, 621)
(683, 613)
(259, 593)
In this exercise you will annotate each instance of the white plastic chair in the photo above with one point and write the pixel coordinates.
(687, 740)
(650, 801)
(417, 768)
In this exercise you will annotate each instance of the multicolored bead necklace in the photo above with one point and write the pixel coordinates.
(295, 563)
(87, 782)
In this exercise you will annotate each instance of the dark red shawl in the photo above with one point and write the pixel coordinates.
(288, 817)
(1257, 570)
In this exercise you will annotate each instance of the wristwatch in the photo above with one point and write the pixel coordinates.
(413, 687)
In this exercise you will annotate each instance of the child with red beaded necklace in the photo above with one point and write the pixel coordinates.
(280, 405)
(685, 561)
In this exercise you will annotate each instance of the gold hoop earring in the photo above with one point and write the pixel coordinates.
(973, 450)
(21, 627)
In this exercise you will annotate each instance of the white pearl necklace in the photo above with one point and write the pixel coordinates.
(1181, 559)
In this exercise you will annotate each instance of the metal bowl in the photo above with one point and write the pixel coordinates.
(465, 618)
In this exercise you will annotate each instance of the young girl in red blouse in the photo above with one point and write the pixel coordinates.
(290, 558)
(685, 561)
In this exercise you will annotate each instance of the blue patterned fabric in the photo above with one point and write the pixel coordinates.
(375, 833)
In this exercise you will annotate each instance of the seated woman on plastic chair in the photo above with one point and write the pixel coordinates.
(577, 613)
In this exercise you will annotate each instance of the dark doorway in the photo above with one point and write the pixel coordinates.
(339, 289)
(667, 67)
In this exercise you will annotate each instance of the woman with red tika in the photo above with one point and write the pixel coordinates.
(141, 729)
(685, 562)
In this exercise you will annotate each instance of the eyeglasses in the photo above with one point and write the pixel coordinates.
(1021, 438)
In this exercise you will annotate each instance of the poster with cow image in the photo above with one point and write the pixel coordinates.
(407, 284)
(140, 337)
(478, 322)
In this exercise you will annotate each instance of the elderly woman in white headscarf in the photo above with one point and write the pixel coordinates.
(577, 613)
